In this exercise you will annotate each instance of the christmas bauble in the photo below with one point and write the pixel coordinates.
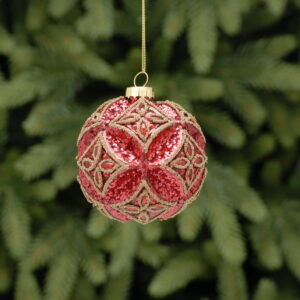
(141, 159)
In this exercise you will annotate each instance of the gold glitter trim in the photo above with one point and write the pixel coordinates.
(142, 190)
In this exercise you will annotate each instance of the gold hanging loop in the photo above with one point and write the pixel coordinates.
(137, 75)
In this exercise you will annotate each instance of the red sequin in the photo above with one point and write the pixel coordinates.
(141, 160)
(165, 144)
(123, 145)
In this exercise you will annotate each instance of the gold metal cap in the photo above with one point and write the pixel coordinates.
(142, 91)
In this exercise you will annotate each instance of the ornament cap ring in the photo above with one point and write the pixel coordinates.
(139, 91)
(137, 75)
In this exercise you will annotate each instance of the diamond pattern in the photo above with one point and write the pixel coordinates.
(142, 119)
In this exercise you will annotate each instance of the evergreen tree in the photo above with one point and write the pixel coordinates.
(235, 66)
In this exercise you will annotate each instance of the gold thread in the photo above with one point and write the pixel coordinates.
(143, 46)
(144, 50)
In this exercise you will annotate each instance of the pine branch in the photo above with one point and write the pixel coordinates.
(18, 91)
(258, 18)
(47, 243)
(161, 52)
(232, 187)
(281, 76)
(15, 223)
(211, 253)
(266, 245)
(177, 91)
(276, 46)
(276, 7)
(271, 173)
(132, 7)
(152, 232)
(266, 289)
(95, 269)
(65, 173)
(230, 15)
(262, 146)
(128, 237)
(36, 15)
(220, 126)
(59, 74)
(97, 224)
(290, 246)
(94, 66)
(177, 273)
(223, 222)
(245, 103)
(280, 122)
(27, 287)
(98, 22)
(158, 11)
(63, 41)
(43, 190)
(83, 290)
(277, 237)
(128, 30)
(118, 286)
(5, 275)
(255, 68)
(39, 159)
(190, 220)
(202, 34)
(175, 20)
(203, 88)
(232, 282)
(152, 254)
(7, 42)
(58, 8)
(221, 194)
(51, 116)
(62, 275)
(110, 239)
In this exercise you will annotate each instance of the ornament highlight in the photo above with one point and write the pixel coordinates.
(141, 159)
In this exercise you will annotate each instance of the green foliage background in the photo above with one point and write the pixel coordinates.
(235, 65)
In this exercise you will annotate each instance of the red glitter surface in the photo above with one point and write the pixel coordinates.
(165, 144)
(87, 139)
(169, 110)
(165, 184)
(123, 145)
(123, 186)
(141, 160)
(114, 109)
